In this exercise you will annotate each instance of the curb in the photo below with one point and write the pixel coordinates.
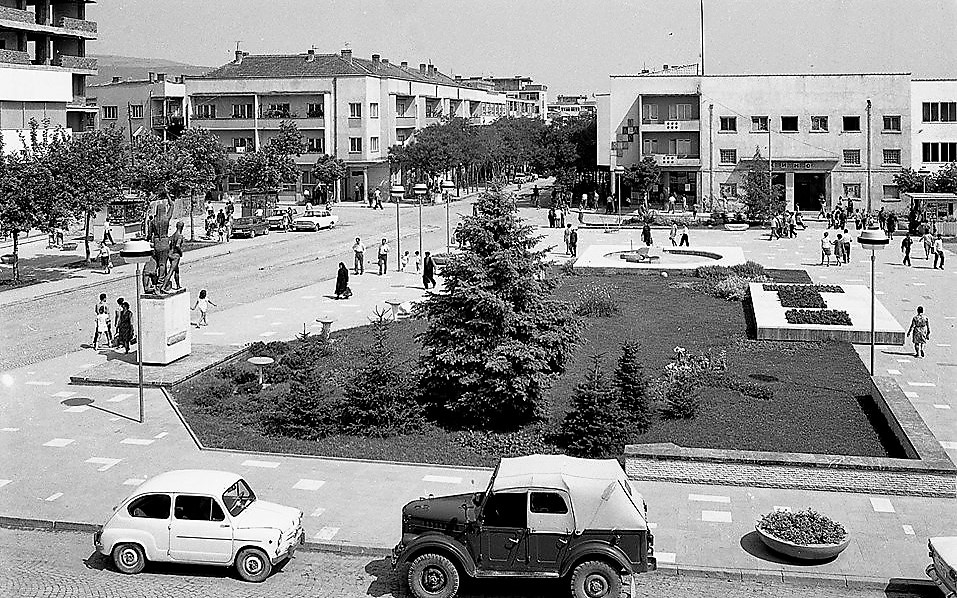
(916, 586)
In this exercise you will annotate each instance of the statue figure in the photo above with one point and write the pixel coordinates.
(158, 234)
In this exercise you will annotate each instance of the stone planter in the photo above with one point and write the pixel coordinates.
(804, 552)
(737, 228)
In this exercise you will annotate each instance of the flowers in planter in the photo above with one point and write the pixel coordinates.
(826, 317)
(820, 288)
(803, 527)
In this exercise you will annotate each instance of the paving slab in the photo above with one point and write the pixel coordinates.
(121, 369)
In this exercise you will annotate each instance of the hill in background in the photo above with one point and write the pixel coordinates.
(128, 67)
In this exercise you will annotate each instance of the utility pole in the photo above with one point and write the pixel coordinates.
(869, 207)
(770, 172)
(701, 4)
(710, 156)
(129, 121)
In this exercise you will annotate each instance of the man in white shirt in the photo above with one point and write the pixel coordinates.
(383, 257)
(938, 252)
(359, 249)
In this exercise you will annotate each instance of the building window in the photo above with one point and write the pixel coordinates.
(374, 110)
(892, 192)
(729, 123)
(136, 110)
(373, 144)
(242, 110)
(852, 190)
(315, 110)
(277, 111)
(818, 124)
(852, 157)
(892, 123)
(355, 110)
(729, 156)
(649, 113)
(243, 144)
(729, 190)
(940, 152)
(852, 124)
(789, 124)
(892, 156)
(934, 112)
(759, 123)
(355, 145)
(679, 112)
(316, 145)
(205, 111)
(109, 112)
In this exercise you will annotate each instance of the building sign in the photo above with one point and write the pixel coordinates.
(791, 165)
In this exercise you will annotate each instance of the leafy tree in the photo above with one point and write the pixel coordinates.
(495, 337)
(273, 164)
(909, 180)
(945, 181)
(593, 428)
(157, 171)
(643, 176)
(205, 162)
(761, 203)
(329, 170)
(633, 386)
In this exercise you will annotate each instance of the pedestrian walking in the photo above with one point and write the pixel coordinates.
(561, 217)
(360, 251)
(107, 235)
(567, 236)
(775, 228)
(378, 199)
(221, 224)
(104, 255)
(671, 203)
(102, 328)
(684, 237)
(124, 326)
(573, 242)
(919, 331)
(826, 246)
(116, 319)
(839, 249)
(847, 246)
(229, 227)
(646, 235)
(551, 217)
(428, 271)
(673, 234)
(938, 252)
(342, 282)
(905, 247)
(383, 257)
(404, 262)
(418, 262)
(203, 304)
(290, 216)
(928, 240)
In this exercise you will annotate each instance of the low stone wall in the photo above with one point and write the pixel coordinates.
(928, 471)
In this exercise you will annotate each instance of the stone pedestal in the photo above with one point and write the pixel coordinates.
(166, 327)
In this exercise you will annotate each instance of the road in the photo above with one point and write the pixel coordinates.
(44, 328)
(54, 565)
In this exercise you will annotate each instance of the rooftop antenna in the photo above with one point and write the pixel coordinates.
(237, 44)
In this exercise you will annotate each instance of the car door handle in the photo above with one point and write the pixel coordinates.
(223, 525)
(511, 541)
(561, 542)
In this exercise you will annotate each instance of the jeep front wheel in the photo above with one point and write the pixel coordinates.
(433, 576)
(595, 579)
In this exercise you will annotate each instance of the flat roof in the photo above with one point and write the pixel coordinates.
(715, 76)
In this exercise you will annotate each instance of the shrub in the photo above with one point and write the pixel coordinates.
(749, 269)
(596, 301)
(732, 288)
(593, 428)
(305, 411)
(249, 388)
(750, 389)
(239, 375)
(803, 528)
(527, 441)
(713, 273)
(272, 349)
(633, 386)
(215, 398)
(304, 354)
(685, 375)
(825, 317)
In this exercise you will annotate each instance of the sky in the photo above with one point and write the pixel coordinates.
(570, 45)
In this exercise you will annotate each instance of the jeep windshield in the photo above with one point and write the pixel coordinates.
(237, 497)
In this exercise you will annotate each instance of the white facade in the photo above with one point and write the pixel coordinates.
(933, 123)
(28, 93)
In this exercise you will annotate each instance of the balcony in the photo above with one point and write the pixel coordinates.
(405, 122)
(77, 25)
(667, 126)
(79, 63)
(686, 160)
(15, 14)
(263, 124)
(170, 120)
(14, 57)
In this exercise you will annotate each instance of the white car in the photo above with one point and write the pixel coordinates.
(199, 516)
(943, 567)
(315, 219)
(278, 220)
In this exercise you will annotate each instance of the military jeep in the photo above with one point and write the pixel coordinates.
(542, 516)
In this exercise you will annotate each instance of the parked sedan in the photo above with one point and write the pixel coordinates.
(315, 219)
(943, 567)
(204, 517)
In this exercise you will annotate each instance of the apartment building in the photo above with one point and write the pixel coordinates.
(43, 66)
(567, 106)
(156, 104)
(933, 123)
(524, 98)
(346, 106)
(828, 136)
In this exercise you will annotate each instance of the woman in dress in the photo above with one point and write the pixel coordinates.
(124, 327)
(920, 328)
(342, 282)
(646, 235)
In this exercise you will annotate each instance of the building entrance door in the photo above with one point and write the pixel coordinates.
(809, 191)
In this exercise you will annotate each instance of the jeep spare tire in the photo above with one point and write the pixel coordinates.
(433, 576)
(595, 579)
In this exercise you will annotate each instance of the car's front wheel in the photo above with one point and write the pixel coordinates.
(252, 564)
(595, 579)
(129, 558)
(433, 576)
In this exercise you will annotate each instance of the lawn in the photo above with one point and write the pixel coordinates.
(820, 402)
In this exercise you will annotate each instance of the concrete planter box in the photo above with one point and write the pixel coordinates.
(803, 552)
(736, 228)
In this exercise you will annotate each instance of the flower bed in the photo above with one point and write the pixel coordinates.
(797, 296)
(820, 288)
(803, 528)
(828, 317)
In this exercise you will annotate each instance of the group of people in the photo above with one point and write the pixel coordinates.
(556, 217)
(673, 234)
(571, 240)
(785, 225)
(838, 246)
(933, 245)
(220, 225)
(407, 263)
(121, 322)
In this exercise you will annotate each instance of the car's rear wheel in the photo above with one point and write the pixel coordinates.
(253, 565)
(129, 558)
(433, 576)
(595, 579)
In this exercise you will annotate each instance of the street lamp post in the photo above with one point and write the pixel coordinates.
(420, 189)
(875, 240)
(138, 252)
(397, 192)
(447, 187)
(618, 170)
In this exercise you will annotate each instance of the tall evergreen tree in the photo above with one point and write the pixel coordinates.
(633, 386)
(761, 200)
(495, 337)
(593, 428)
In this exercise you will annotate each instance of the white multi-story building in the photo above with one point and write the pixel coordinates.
(43, 66)
(345, 106)
(934, 123)
(566, 106)
(156, 104)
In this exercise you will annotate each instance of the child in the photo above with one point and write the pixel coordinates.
(102, 327)
(404, 262)
(418, 262)
(104, 255)
(203, 304)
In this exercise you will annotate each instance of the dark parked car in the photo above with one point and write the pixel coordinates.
(542, 516)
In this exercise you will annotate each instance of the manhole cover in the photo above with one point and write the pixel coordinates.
(764, 377)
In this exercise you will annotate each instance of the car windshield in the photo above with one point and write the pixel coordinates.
(237, 497)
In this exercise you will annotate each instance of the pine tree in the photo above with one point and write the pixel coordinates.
(633, 386)
(594, 426)
(495, 337)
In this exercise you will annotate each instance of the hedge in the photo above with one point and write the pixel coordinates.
(828, 317)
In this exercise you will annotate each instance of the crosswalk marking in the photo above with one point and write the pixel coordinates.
(326, 533)
(104, 462)
(882, 505)
(264, 464)
(709, 498)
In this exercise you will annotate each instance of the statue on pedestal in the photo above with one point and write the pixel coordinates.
(158, 235)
